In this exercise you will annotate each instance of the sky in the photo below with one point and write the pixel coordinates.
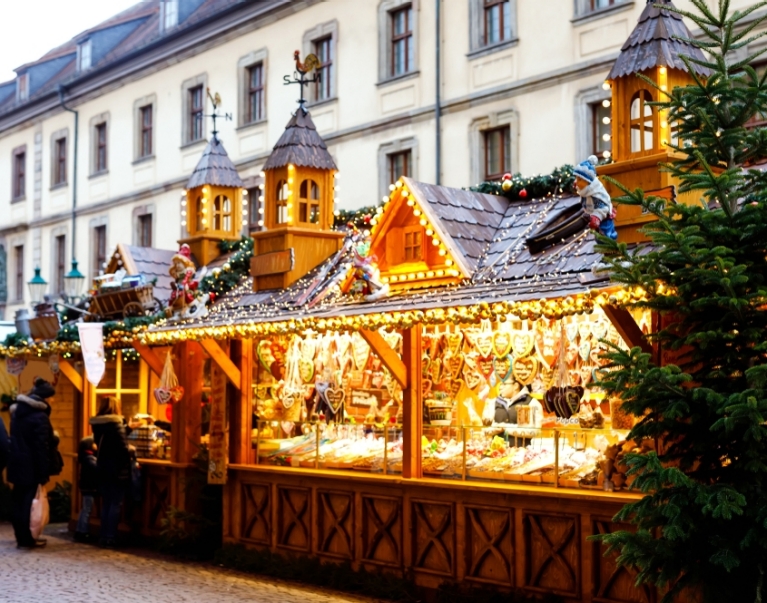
(33, 27)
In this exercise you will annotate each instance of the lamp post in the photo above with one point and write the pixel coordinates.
(37, 286)
(73, 282)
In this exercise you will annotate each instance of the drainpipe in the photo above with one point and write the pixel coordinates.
(74, 170)
(438, 101)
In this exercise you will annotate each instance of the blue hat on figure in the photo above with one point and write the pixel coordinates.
(586, 170)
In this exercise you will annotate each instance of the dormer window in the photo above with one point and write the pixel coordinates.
(309, 202)
(642, 135)
(413, 243)
(282, 194)
(222, 213)
(84, 56)
(170, 14)
(22, 87)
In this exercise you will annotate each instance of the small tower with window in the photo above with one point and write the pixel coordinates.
(299, 192)
(213, 203)
(641, 133)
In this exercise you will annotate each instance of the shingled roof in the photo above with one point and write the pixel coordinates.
(214, 168)
(151, 262)
(300, 145)
(655, 43)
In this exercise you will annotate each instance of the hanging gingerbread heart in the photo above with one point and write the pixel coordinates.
(502, 367)
(334, 396)
(571, 330)
(599, 328)
(360, 351)
(264, 353)
(162, 395)
(546, 344)
(453, 364)
(501, 343)
(584, 329)
(435, 370)
(455, 387)
(290, 396)
(522, 343)
(454, 342)
(471, 378)
(176, 393)
(524, 369)
(571, 355)
(584, 350)
(278, 351)
(275, 390)
(425, 362)
(470, 360)
(309, 346)
(306, 370)
(485, 365)
(394, 339)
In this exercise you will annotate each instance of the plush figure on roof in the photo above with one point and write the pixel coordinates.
(595, 199)
(365, 276)
(184, 285)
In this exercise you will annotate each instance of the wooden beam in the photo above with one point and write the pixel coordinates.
(627, 327)
(71, 373)
(223, 361)
(147, 355)
(412, 403)
(388, 356)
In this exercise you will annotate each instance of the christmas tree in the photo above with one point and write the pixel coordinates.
(701, 526)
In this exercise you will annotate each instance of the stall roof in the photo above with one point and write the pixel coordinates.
(491, 232)
(152, 263)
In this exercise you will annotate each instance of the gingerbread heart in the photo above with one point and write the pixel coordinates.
(306, 370)
(454, 342)
(483, 341)
(425, 362)
(584, 350)
(360, 351)
(547, 346)
(571, 331)
(334, 396)
(470, 360)
(522, 343)
(501, 343)
(275, 390)
(485, 365)
(435, 370)
(599, 329)
(393, 338)
(525, 369)
(502, 367)
(453, 363)
(571, 355)
(584, 329)
(471, 378)
(425, 388)
(176, 393)
(455, 387)
(287, 428)
(162, 395)
(278, 351)
(291, 395)
(264, 353)
(309, 347)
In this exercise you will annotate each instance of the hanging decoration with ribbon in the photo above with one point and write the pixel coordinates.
(92, 347)
(169, 390)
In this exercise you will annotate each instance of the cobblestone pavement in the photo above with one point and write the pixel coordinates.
(67, 572)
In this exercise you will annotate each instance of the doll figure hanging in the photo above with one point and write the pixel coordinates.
(365, 277)
(595, 198)
(183, 302)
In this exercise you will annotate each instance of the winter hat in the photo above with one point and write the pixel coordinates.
(42, 389)
(586, 170)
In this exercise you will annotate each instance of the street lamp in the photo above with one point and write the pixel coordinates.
(73, 282)
(37, 286)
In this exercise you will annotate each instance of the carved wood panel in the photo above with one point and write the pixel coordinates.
(382, 530)
(433, 527)
(294, 518)
(489, 545)
(553, 553)
(335, 524)
(614, 583)
(255, 513)
(157, 501)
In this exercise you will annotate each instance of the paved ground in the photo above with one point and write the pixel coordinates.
(67, 572)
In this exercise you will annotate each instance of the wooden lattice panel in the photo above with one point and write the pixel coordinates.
(433, 526)
(489, 550)
(382, 530)
(294, 515)
(614, 583)
(553, 553)
(158, 499)
(335, 524)
(256, 513)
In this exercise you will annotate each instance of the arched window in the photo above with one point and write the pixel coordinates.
(200, 211)
(642, 115)
(222, 213)
(282, 194)
(309, 202)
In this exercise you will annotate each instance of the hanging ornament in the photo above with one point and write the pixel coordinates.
(523, 193)
(506, 185)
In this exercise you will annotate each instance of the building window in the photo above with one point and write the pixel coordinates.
(222, 213)
(60, 262)
(642, 137)
(323, 48)
(601, 130)
(255, 92)
(60, 161)
(402, 52)
(22, 86)
(413, 243)
(144, 230)
(282, 192)
(195, 113)
(585, 7)
(18, 259)
(497, 21)
(101, 148)
(84, 51)
(497, 153)
(19, 174)
(399, 165)
(145, 140)
(170, 14)
(254, 215)
(99, 249)
(309, 202)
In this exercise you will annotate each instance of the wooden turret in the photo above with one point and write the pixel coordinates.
(299, 178)
(213, 203)
(641, 133)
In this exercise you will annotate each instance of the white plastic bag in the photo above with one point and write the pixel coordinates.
(39, 515)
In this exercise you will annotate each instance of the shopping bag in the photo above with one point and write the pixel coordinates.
(39, 515)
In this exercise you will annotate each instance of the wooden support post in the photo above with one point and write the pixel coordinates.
(70, 372)
(241, 404)
(412, 410)
(221, 358)
(152, 360)
(627, 327)
(187, 413)
(388, 356)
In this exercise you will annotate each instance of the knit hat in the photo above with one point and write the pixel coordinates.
(42, 389)
(586, 170)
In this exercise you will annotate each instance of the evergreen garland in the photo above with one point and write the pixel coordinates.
(359, 217)
(561, 180)
(222, 280)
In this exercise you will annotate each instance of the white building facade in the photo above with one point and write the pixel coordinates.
(445, 91)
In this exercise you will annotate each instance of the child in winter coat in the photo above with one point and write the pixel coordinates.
(88, 484)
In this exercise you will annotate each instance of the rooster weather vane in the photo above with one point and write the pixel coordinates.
(311, 62)
(215, 100)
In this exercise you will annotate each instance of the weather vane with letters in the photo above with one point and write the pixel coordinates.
(215, 100)
(311, 62)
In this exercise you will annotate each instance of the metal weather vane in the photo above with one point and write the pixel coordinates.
(215, 100)
(310, 63)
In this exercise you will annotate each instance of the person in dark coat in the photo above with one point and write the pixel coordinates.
(87, 484)
(5, 444)
(113, 465)
(32, 441)
(511, 395)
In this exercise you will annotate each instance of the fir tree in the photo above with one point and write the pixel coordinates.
(702, 523)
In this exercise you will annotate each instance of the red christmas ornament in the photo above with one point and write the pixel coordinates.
(507, 176)
(523, 194)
